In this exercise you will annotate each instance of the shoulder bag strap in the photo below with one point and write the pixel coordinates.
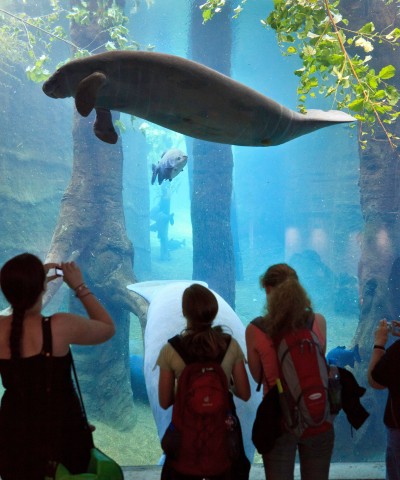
(258, 322)
(176, 343)
(47, 339)
(48, 352)
(79, 390)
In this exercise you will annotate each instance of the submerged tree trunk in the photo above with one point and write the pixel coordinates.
(213, 252)
(91, 230)
(380, 249)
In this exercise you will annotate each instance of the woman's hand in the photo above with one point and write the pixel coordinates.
(51, 271)
(381, 333)
(72, 275)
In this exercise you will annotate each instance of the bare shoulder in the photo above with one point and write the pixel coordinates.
(5, 321)
(59, 318)
(250, 329)
(320, 319)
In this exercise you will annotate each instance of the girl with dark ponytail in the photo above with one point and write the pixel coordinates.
(41, 422)
(205, 342)
(201, 341)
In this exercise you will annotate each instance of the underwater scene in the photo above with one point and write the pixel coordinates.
(192, 177)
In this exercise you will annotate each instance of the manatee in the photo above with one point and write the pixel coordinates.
(181, 95)
(170, 165)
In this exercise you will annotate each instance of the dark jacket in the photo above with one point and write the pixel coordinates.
(351, 394)
(386, 374)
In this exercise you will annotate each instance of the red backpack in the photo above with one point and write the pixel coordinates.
(303, 376)
(201, 415)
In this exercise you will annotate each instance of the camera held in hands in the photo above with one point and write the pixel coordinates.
(394, 327)
(57, 271)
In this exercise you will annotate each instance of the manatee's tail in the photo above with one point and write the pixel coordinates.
(304, 123)
(155, 173)
(329, 116)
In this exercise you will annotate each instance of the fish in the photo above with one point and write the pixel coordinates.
(161, 221)
(175, 244)
(341, 357)
(181, 95)
(171, 164)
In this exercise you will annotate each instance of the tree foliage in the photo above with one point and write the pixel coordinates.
(335, 59)
(33, 36)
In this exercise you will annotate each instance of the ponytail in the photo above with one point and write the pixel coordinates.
(200, 338)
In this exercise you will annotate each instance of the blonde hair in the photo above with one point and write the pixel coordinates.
(277, 274)
(289, 307)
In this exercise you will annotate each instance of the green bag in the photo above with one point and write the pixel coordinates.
(101, 467)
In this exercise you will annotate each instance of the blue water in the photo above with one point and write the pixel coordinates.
(298, 202)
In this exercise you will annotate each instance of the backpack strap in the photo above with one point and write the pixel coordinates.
(310, 321)
(177, 344)
(259, 323)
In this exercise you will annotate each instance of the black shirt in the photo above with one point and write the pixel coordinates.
(386, 373)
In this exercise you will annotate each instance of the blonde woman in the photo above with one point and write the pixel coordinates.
(288, 308)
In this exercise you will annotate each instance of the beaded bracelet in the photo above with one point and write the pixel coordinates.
(79, 289)
(85, 294)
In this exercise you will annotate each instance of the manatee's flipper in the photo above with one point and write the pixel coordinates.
(155, 173)
(103, 126)
(86, 93)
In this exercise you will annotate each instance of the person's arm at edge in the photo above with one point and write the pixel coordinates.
(241, 384)
(253, 359)
(321, 321)
(380, 339)
(166, 388)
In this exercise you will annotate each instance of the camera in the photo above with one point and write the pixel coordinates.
(57, 271)
(394, 327)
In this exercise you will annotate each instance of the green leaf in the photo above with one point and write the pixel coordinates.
(368, 28)
(379, 95)
(373, 82)
(387, 72)
(207, 15)
(357, 105)
(394, 35)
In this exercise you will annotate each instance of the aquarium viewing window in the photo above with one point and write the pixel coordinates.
(179, 177)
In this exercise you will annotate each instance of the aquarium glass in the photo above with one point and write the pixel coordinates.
(66, 195)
